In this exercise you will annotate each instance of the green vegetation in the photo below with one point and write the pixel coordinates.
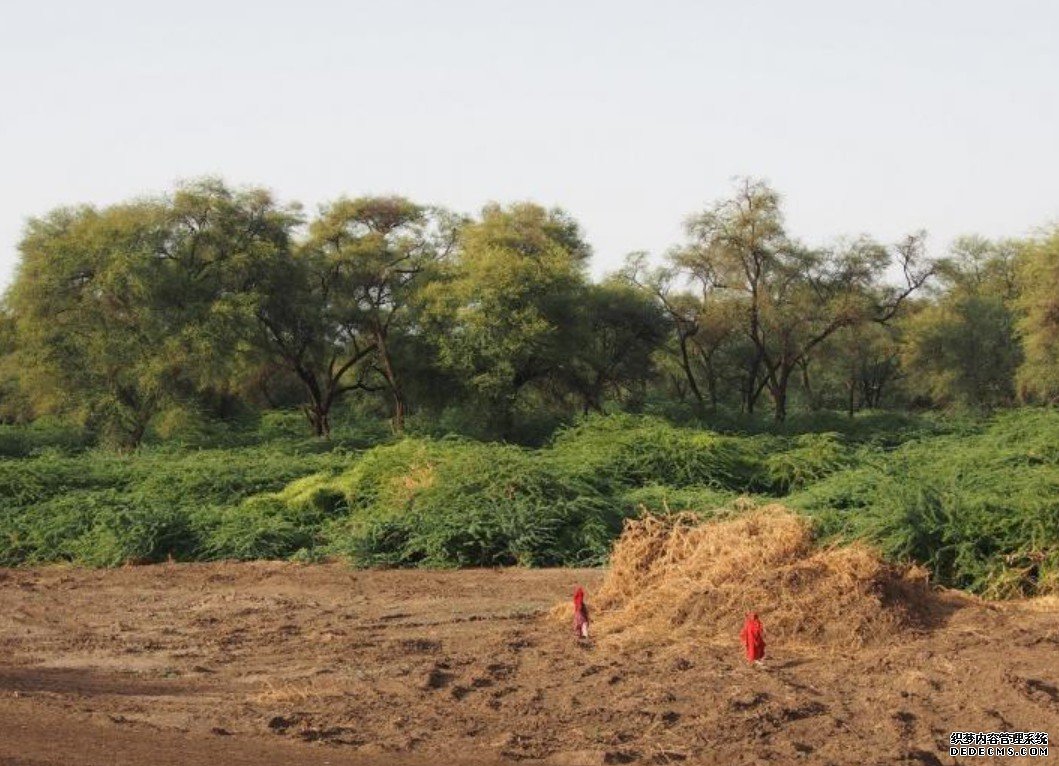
(212, 303)
(215, 374)
(980, 510)
(976, 501)
(104, 509)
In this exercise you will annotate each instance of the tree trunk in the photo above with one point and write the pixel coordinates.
(779, 387)
(318, 409)
(685, 362)
(753, 388)
(780, 401)
(814, 403)
(711, 374)
(392, 380)
(319, 419)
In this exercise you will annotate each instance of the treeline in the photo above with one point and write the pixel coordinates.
(216, 302)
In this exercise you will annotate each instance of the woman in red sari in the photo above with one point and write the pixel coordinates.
(580, 613)
(753, 637)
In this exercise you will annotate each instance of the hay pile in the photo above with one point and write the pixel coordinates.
(676, 576)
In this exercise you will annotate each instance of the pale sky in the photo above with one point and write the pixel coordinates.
(868, 117)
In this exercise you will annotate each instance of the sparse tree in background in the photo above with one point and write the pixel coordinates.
(682, 310)
(1039, 325)
(962, 347)
(705, 332)
(793, 297)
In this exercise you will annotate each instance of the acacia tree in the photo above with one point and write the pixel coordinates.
(90, 344)
(375, 252)
(13, 406)
(962, 347)
(219, 240)
(124, 311)
(681, 308)
(311, 326)
(703, 330)
(1038, 281)
(502, 312)
(793, 297)
(619, 330)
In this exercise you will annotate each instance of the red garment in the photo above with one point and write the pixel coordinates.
(753, 637)
(580, 613)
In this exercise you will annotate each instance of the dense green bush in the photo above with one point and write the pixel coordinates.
(34, 438)
(102, 509)
(980, 510)
(808, 459)
(976, 501)
(457, 503)
(660, 498)
(625, 450)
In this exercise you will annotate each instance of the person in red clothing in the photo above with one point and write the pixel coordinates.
(580, 613)
(753, 637)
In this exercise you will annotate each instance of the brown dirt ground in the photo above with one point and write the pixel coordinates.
(274, 663)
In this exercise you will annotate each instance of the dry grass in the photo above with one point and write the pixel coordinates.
(676, 576)
(310, 689)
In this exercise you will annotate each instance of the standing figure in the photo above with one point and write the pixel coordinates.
(580, 613)
(753, 637)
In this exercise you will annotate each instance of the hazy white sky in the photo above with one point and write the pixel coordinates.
(869, 117)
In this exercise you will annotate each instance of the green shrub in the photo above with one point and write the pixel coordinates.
(980, 510)
(977, 501)
(659, 498)
(36, 437)
(809, 459)
(631, 451)
(454, 503)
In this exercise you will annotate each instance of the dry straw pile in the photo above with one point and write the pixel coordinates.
(678, 576)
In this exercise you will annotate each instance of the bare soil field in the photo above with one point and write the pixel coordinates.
(277, 663)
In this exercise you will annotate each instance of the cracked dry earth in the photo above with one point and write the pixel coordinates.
(276, 663)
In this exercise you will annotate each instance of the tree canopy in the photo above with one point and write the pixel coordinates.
(225, 301)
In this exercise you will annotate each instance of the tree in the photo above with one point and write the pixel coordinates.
(1038, 280)
(124, 311)
(90, 344)
(962, 348)
(13, 406)
(502, 313)
(375, 251)
(310, 327)
(620, 328)
(704, 330)
(854, 368)
(793, 297)
(220, 240)
(681, 308)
